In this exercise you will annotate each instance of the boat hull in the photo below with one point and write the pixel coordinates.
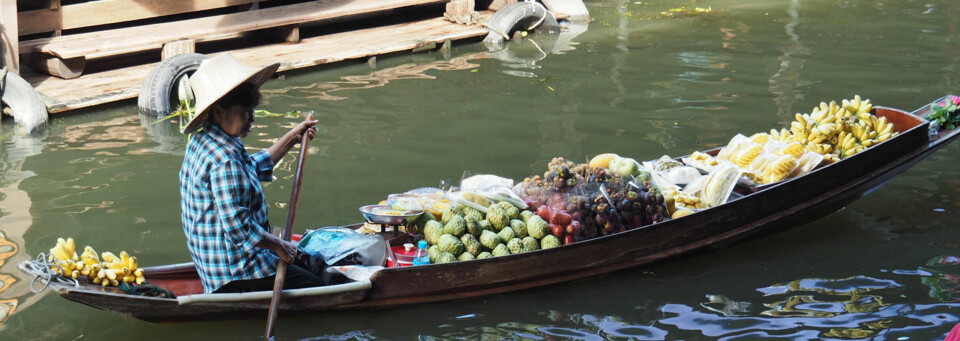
(767, 210)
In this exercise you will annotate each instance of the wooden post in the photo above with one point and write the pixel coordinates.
(289, 34)
(178, 47)
(460, 7)
(55, 7)
(9, 35)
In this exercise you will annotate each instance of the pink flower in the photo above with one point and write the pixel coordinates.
(955, 100)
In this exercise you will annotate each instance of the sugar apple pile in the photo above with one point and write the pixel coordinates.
(465, 233)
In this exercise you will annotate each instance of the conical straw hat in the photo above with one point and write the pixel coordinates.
(216, 77)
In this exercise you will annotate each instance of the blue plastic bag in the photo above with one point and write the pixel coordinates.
(333, 244)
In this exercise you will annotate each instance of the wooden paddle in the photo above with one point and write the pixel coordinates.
(287, 233)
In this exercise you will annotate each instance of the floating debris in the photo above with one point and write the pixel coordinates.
(687, 11)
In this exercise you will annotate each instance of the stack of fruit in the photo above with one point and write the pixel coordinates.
(838, 131)
(617, 196)
(112, 271)
(466, 233)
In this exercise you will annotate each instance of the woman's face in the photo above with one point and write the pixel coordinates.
(236, 120)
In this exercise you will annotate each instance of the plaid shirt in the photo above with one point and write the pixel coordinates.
(224, 213)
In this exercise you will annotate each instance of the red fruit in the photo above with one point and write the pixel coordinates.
(560, 218)
(559, 205)
(557, 197)
(575, 226)
(531, 203)
(568, 239)
(569, 229)
(544, 212)
(557, 230)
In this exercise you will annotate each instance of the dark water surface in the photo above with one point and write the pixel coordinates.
(632, 82)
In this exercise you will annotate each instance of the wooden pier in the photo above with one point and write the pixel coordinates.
(79, 54)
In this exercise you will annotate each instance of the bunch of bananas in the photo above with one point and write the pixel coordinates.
(112, 270)
(838, 131)
(63, 259)
(116, 269)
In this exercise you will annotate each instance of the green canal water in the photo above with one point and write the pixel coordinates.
(632, 82)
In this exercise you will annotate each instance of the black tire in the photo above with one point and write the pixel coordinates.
(519, 15)
(158, 94)
(24, 102)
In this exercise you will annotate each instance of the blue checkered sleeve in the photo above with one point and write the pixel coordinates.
(264, 164)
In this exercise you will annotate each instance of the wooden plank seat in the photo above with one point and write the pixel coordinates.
(65, 56)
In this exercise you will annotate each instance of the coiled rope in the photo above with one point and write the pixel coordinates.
(40, 268)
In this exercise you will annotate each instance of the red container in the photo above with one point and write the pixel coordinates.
(404, 254)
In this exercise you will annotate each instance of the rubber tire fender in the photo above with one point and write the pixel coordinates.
(519, 15)
(25, 103)
(158, 94)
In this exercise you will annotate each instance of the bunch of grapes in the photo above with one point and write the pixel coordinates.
(563, 174)
(601, 218)
(601, 175)
(640, 205)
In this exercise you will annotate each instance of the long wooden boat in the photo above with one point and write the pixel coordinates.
(767, 210)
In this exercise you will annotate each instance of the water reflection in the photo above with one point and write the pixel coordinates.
(803, 309)
(15, 217)
(942, 276)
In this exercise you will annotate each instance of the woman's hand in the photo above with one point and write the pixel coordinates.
(288, 251)
(291, 138)
(309, 126)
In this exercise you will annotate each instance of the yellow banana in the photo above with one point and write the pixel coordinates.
(71, 247)
(140, 280)
(109, 257)
(138, 272)
(132, 263)
(124, 257)
(884, 137)
(129, 279)
(888, 128)
(58, 253)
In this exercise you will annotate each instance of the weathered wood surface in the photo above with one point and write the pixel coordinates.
(787, 204)
(124, 83)
(9, 36)
(140, 38)
(102, 12)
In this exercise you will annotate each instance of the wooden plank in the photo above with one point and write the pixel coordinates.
(139, 38)
(496, 5)
(63, 95)
(63, 68)
(9, 36)
(104, 12)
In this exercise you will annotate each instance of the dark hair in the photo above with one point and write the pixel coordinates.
(246, 95)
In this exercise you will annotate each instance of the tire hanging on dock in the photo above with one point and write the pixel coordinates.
(158, 94)
(519, 16)
(24, 103)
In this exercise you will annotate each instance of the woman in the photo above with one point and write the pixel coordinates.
(223, 209)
